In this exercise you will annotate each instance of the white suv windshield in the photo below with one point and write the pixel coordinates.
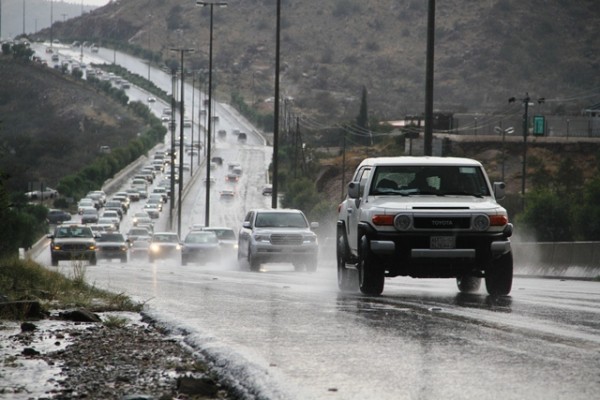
(439, 180)
(280, 220)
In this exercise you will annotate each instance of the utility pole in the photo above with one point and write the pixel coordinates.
(525, 102)
(209, 124)
(428, 134)
(275, 186)
(181, 115)
(172, 129)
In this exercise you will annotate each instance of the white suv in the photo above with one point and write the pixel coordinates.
(424, 217)
(278, 235)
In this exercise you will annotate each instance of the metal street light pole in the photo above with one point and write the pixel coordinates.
(428, 134)
(193, 113)
(172, 130)
(525, 102)
(274, 194)
(209, 127)
(181, 114)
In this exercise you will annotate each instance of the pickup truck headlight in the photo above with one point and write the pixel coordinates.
(310, 239)
(263, 238)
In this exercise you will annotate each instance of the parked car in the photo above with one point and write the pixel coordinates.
(55, 216)
(112, 245)
(200, 247)
(278, 235)
(47, 193)
(164, 245)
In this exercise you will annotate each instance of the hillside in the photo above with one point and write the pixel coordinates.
(54, 124)
(486, 51)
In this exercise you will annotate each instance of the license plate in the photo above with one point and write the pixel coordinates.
(442, 242)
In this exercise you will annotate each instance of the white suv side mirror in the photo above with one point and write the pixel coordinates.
(499, 188)
(353, 190)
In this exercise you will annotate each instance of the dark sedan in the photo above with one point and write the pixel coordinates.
(57, 216)
(200, 247)
(112, 245)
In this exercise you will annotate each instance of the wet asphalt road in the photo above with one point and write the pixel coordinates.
(281, 334)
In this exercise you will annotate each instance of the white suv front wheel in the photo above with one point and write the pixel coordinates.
(371, 275)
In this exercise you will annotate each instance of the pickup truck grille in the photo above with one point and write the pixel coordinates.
(109, 248)
(286, 239)
(442, 223)
(74, 246)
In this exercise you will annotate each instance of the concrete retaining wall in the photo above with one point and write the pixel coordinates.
(557, 259)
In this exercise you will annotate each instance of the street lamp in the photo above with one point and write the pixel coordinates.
(525, 102)
(208, 139)
(181, 114)
(504, 132)
(276, 111)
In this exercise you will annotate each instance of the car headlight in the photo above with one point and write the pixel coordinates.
(154, 248)
(310, 239)
(481, 223)
(402, 222)
(262, 238)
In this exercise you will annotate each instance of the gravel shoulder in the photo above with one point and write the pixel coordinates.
(126, 356)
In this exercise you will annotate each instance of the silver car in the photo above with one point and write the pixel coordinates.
(281, 235)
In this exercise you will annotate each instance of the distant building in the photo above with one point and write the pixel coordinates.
(592, 111)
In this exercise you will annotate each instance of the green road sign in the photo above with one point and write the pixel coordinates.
(539, 125)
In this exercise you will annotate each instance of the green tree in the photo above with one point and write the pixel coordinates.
(587, 216)
(548, 215)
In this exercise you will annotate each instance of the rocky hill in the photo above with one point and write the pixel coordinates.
(486, 51)
(53, 124)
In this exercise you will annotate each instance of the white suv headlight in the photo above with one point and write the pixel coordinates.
(402, 222)
(481, 223)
